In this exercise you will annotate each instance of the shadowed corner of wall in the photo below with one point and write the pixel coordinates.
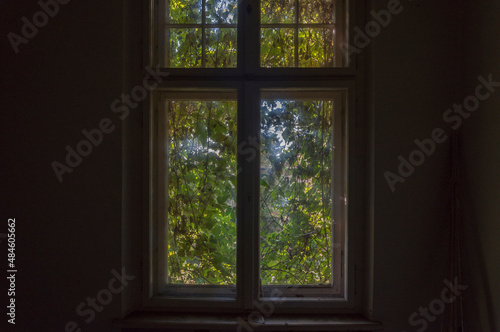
(478, 305)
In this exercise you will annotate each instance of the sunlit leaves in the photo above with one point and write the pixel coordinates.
(277, 11)
(221, 49)
(201, 194)
(221, 11)
(277, 47)
(297, 36)
(316, 11)
(185, 48)
(201, 38)
(315, 47)
(295, 212)
(184, 11)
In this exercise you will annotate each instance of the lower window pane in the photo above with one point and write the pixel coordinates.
(296, 191)
(201, 144)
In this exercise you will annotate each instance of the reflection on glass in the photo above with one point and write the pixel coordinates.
(184, 11)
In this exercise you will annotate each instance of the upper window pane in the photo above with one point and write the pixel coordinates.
(302, 33)
(280, 11)
(199, 34)
(184, 11)
(316, 11)
(224, 11)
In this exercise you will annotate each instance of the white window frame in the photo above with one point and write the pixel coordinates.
(177, 79)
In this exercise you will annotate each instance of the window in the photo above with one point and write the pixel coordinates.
(199, 33)
(250, 160)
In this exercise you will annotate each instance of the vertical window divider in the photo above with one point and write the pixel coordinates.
(161, 133)
(248, 191)
(340, 27)
(161, 41)
(203, 42)
(338, 193)
(251, 31)
(296, 34)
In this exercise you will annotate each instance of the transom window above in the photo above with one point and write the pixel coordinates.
(291, 33)
(200, 34)
(300, 33)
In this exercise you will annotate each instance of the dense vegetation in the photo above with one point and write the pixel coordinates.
(295, 213)
(186, 48)
(296, 149)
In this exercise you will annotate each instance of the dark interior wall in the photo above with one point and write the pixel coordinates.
(415, 71)
(69, 234)
(481, 158)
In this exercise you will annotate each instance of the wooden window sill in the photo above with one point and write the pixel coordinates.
(148, 320)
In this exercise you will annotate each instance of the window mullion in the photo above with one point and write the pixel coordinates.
(203, 34)
(160, 41)
(251, 30)
(339, 32)
(296, 34)
(248, 192)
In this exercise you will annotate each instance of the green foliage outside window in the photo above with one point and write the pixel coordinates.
(295, 190)
(290, 36)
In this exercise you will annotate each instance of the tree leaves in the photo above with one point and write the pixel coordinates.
(202, 214)
(295, 208)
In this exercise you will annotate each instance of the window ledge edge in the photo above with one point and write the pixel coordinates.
(290, 322)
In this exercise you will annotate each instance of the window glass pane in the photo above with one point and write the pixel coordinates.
(281, 11)
(221, 11)
(296, 192)
(316, 11)
(201, 192)
(221, 48)
(277, 48)
(184, 11)
(196, 38)
(315, 47)
(311, 34)
(185, 48)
